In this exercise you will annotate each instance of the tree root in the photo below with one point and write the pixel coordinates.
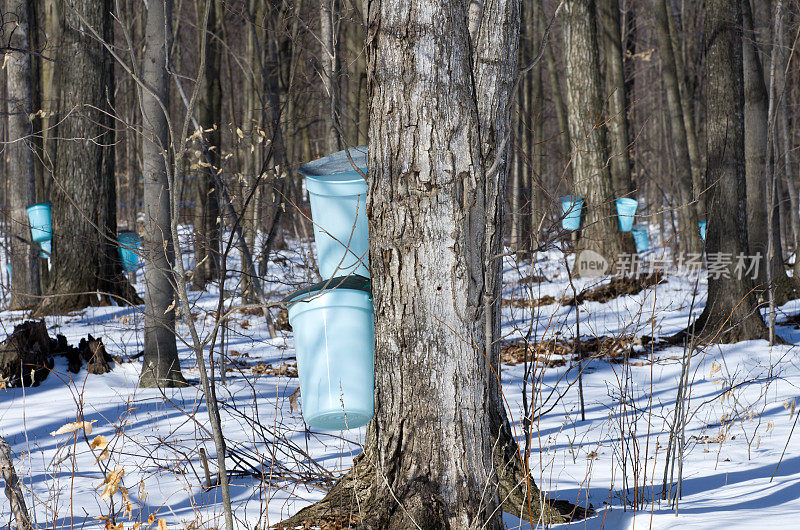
(352, 504)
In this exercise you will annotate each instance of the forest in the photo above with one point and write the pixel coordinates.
(397, 264)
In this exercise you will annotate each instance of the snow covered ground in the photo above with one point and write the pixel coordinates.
(741, 411)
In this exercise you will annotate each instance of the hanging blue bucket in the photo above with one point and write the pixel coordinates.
(641, 237)
(338, 196)
(45, 249)
(626, 209)
(41, 222)
(129, 244)
(702, 225)
(334, 338)
(571, 206)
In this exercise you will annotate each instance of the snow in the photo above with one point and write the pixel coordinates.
(744, 391)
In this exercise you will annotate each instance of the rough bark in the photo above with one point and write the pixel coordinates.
(687, 107)
(207, 211)
(731, 313)
(23, 254)
(160, 366)
(600, 230)
(680, 146)
(556, 92)
(757, 138)
(615, 89)
(438, 165)
(13, 490)
(85, 265)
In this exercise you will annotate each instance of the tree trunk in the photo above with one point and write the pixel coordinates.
(85, 265)
(680, 145)
(731, 313)
(13, 489)
(558, 102)
(617, 99)
(330, 74)
(435, 215)
(207, 217)
(160, 366)
(687, 107)
(23, 255)
(600, 230)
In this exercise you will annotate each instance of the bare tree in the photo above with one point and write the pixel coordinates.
(207, 216)
(587, 131)
(23, 255)
(731, 313)
(160, 366)
(329, 73)
(435, 214)
(615, 89)
(680, 144)
(86, 269)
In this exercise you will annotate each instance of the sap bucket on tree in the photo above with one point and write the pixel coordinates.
(641, 237)
(129, 243)
(571, 208)
(334, 338)
(702, 225)
(40, 219)
(338, 196)
(626, 209)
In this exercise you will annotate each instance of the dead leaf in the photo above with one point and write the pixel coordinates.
(111, 483)
(99, 442)
(293, 400)
(714, 369)
(74, 426)
(162, 524)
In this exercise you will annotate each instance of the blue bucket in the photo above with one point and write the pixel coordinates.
(45, 249)
(641, 237)
(129, 244)
(334, 338)
(338, 197)
(702, 225)
(571, 206)
(41, 222)
(626, 209)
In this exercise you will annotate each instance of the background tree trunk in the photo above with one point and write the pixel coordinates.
(731, 313)
(617, 99)
(23, 256)
(600, 229)
(160, 366)
(330, 73)
(85, 265)
(690, 239)
(207, 217)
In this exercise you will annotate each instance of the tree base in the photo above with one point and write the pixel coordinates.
(722, 329)
(174, 379)
(352, 502)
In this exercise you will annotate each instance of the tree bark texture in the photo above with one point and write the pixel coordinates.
(85, 265)
(757, 138)
(690, 231)
(330, 73)
(600, 229)
(731, 312)
(160, 366)
(207, 211)
(617, 100)
(23, 255)
(13, 490)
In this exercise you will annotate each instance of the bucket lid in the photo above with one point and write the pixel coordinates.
(336, 163)
(353, 282)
